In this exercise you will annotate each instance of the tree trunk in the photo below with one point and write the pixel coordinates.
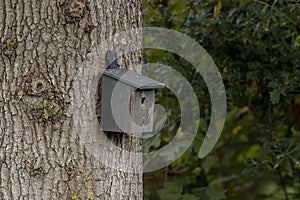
(44, 43)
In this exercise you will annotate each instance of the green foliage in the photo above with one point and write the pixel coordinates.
(210, 193)
(175, 191)
(43, 105)
(171, 191)
(275, 96)
(255, 44)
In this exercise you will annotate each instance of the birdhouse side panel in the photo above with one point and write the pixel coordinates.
(115, 112)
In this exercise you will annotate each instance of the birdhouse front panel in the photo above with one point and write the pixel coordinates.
(142, 107)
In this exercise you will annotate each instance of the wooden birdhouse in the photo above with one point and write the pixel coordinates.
(127, 101)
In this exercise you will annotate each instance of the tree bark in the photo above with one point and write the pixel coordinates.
(43, 45)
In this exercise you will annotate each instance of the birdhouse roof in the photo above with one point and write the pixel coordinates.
(133, 79)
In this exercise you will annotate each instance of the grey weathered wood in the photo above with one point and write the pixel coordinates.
(108, 122)
(133, 79)
(142, 113)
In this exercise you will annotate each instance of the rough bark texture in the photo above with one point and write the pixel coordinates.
(43, 42)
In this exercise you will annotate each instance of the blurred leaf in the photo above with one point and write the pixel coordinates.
(236, 129)
(208, 162)
(176, 6)
(275, 96)
(171, 191)
(188, 197)
(209, 193)
(297, 41)
(46, 114)
(252, 150)
(153, 142)
(217, 9)
(246, 1)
